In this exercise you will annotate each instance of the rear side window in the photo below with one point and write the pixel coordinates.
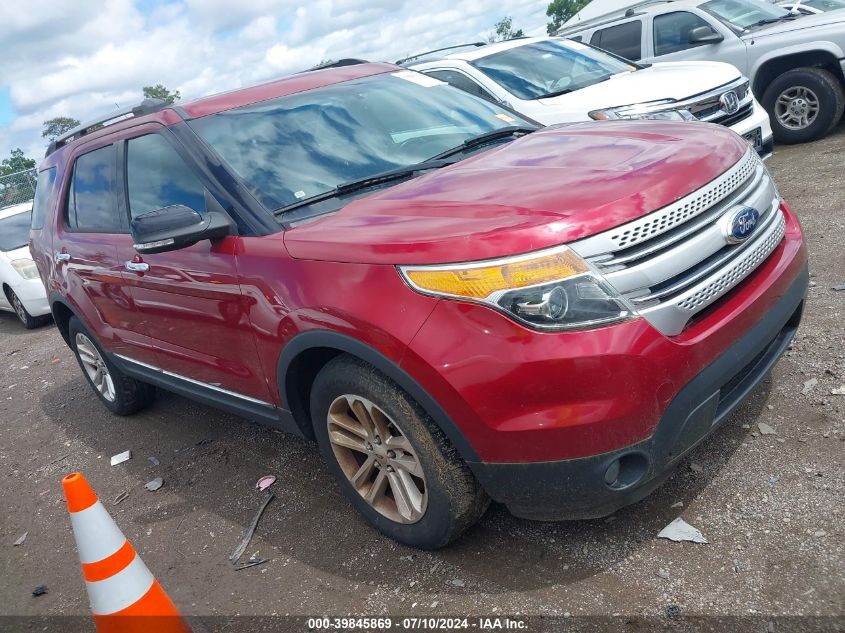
(624, 39)
(92, 201)
(43, 195)
(462, 82)
(157, 177)
(672, 31)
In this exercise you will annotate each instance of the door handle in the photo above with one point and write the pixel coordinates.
(138, 267)
(62, 257)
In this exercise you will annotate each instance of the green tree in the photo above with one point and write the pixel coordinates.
(16, 162)
(54, 128)
(160, 92)
(560, 11)
(503, 30)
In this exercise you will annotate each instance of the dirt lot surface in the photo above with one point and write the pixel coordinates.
(770, 505)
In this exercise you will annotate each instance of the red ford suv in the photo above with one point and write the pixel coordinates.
(455, 304)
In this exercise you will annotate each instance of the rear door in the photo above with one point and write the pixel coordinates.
(188, 301)
(90, 229)
(625, 39)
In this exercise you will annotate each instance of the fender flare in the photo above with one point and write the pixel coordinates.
(327, 339)
(55, 298)
(822, 46)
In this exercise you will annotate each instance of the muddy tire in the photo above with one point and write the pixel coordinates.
(121, 394)
(804, 104)
(391, 461)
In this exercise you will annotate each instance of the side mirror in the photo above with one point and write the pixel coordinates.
(175, 227)
(705, 35)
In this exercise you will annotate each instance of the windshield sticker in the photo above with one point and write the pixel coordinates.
(506, 118)
(418, 78)
(299, 194)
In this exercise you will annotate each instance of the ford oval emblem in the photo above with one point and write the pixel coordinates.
(739, 224)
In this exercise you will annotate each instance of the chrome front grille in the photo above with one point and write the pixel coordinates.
(714, 289)
(674, 262)
(661, 221)
(708, 107)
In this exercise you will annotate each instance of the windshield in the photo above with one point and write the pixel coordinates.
(14, 231)
(300, 146)
(745, 13)
(540, 69)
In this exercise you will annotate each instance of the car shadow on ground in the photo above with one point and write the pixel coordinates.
(10, 325)
(211, 461)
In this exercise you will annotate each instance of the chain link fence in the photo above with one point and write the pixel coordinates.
(18, 187)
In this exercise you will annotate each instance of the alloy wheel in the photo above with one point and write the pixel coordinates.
(95, 367)
(377, 459)
(797, 108)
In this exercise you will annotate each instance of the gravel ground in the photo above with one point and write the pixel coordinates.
(770, 505)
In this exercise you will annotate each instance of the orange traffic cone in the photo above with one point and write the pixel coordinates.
(118, 582)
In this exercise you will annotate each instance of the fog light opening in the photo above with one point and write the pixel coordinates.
(626, 471)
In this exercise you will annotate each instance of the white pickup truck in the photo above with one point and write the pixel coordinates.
(795, 62)
(553, 80)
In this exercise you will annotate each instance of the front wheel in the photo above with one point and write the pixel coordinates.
(29, 322)
(394, 465)
(121, 394)
(804, 104)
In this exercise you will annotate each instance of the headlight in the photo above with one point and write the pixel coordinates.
(547, 290)
(25, 267)
(637, 112)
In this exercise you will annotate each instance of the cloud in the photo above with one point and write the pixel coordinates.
(85, 58)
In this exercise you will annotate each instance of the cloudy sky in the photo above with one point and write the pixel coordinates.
(82, 58)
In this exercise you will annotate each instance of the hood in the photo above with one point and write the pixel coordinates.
(18, 253)
(817, 21)
(665, 80)
(544, 189)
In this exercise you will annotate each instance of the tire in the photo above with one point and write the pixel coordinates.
(29, 322)
(452, 499)
(125, 395)
(807, 86)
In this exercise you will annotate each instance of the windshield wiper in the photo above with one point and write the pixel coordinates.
(368, 181)
(765, 21)
(481, 139)
(557, 93)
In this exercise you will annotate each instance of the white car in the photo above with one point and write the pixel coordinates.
(555, 80)
(811, 7)
(22, 290)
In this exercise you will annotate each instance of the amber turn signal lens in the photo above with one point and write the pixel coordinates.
(479, 282)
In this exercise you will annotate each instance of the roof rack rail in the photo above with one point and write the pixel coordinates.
(346, 61)
(623, 12)
(147, 106)
(438, 50)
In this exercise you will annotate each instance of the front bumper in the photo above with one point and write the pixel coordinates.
(590, 487)
(33, 296)
(541, 416)
(748, 127)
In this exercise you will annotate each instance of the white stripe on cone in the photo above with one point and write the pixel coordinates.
(123, 589)
(97, 535)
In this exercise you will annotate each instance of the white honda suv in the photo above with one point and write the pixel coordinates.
(555, 80)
